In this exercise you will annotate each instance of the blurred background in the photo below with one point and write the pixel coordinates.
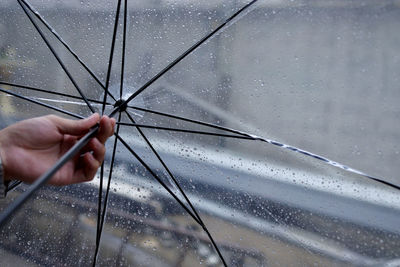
(319, 75)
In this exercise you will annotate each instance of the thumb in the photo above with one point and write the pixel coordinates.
(75, 127)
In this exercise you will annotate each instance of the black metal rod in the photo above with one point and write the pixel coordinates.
(144, 164)
(201, 223)
(14, 206)
(102, 212)
(247, 136)
(211, 125)
(184, 130)
(99, 200)
(110, 60)
(51, 92)
(161, 161)
(100, 222)
(123, 50)
(37, 14)
(56, 56)
(100, 217)
(42, 104)
(181, 57)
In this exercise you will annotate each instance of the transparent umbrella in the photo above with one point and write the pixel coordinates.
(190, 177)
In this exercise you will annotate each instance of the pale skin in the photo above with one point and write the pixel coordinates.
(31, 147)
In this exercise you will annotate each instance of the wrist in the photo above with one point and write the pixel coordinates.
(3, 182)
(3, 158)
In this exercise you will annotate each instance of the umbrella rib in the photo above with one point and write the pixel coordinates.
(147, 167)
(56, 56)
(99, 210)
(123, 49)
(75, 55)
(50, 92)
(182, 56)
(211, 125)
(162, 162)
(101, 213)
(100, 222)
(42, 104)
(248, 136)
(200, 222)
(183, 130)
(110, 61)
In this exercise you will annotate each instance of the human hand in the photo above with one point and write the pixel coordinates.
(31, 147)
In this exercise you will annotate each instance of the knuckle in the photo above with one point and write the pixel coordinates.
(51, 117)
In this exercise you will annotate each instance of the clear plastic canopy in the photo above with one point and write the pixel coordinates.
(212, 165)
